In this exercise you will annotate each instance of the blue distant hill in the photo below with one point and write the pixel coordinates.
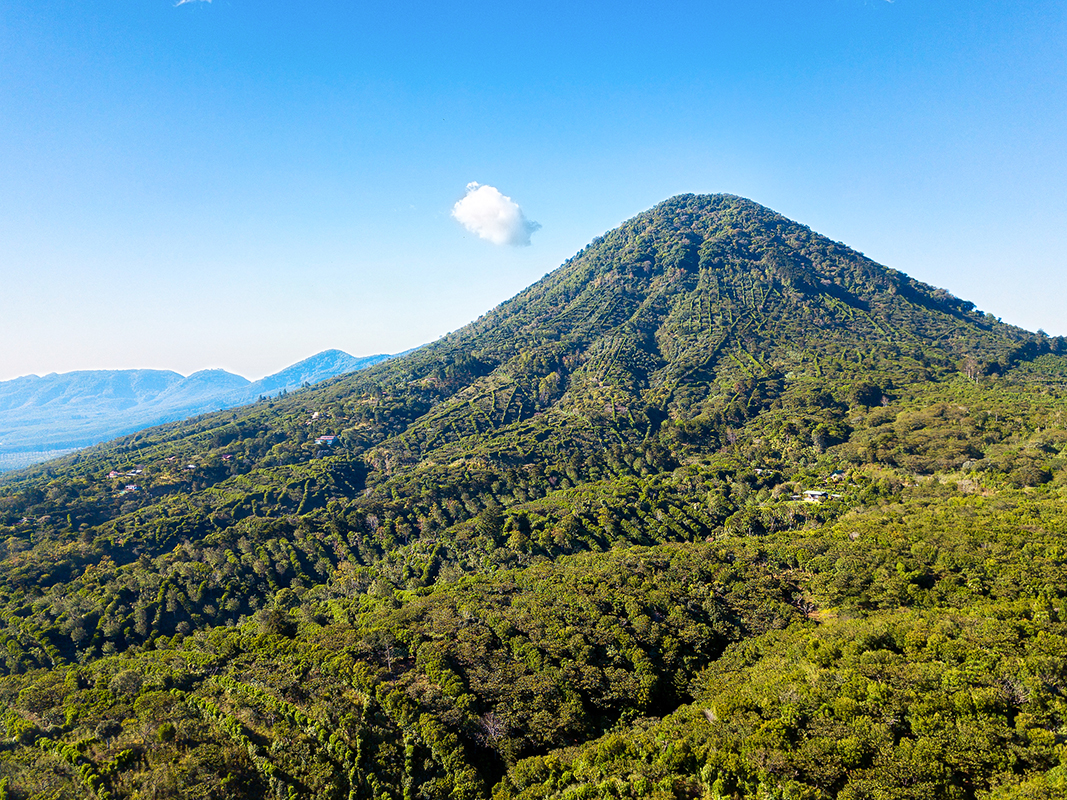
(43, 417)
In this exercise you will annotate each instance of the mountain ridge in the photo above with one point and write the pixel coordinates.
(62, 411)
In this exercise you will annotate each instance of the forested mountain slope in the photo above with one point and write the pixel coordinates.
(568, 550)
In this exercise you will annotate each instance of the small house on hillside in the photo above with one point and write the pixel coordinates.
(329, 441)
(814, 496)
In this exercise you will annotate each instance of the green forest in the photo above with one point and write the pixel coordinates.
(717, 509)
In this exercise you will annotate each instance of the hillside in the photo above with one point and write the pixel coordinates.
(718, 508)
(44, 417)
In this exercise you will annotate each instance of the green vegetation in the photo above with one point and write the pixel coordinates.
(718, 509)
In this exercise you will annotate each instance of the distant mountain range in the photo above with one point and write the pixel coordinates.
(42, 417)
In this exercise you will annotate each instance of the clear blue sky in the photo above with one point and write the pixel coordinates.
(242, 183)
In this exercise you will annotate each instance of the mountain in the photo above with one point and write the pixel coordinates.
(327, 364)
(44, 417)
(718, 508)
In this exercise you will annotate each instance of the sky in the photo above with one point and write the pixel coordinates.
(243, 183)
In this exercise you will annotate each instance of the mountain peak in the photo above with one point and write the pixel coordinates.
(313, 369)
(723, 271)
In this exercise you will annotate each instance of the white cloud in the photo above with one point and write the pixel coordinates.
(493, 216)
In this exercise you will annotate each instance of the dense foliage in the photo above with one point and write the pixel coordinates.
(719, 508)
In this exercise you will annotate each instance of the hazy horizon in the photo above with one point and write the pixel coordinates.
(250, 379)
